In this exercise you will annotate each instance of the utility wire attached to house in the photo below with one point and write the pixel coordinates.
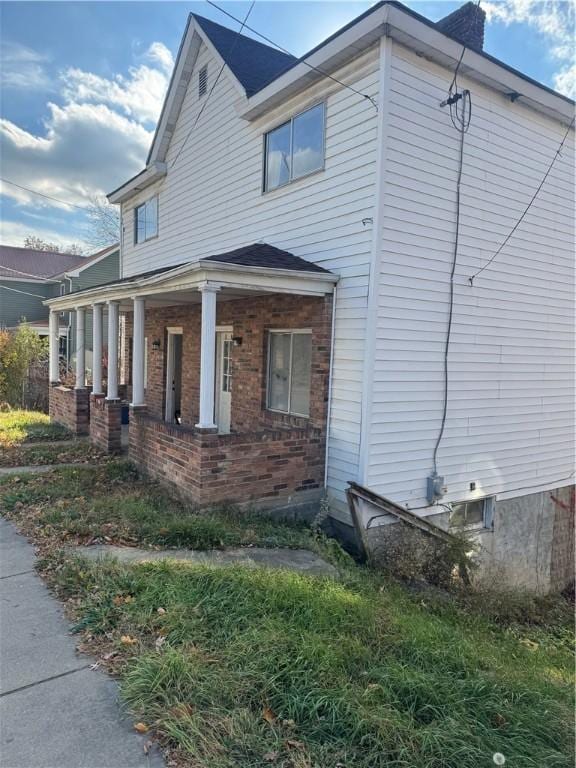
(460, 106)
(298, 60)
(522, 217)
(214, 84)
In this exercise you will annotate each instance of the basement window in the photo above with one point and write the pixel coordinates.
(203, 81)
(478, 513)
(289, 366)
(294, 149)
(146, 220)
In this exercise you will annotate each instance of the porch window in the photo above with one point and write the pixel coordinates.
(295, 148)
(289, 364)
(146, 220)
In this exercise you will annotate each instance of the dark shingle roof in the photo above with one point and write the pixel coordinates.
(266, 256)
(39, 264)
(252, 63)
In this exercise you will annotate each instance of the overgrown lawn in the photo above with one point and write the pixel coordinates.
(17, 427)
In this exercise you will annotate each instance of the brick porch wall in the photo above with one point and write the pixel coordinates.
(275, 467)
(250, 319)
(71, 408)
(106, 424)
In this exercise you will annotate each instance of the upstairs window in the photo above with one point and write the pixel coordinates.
(146, 220)
(294, 149)
(289, 365)
(203, 82)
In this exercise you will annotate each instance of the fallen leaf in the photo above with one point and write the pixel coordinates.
(529, 644)
(161, 611)
(108, 656)
(128, 640)
(118, 600)
(159, 642)
(141, 727)
(147, 746)
(294, 744)
(271, 757)
(499, 720)
(181, 710)
(268, 715)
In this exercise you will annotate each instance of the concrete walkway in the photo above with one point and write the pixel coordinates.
(301, 560)
(55, 712)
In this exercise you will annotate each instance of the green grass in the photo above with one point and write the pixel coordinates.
(25, 454)
(17, 427)
(112, 501)
(260, 667)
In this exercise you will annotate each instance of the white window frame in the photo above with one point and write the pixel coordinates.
(141, 205)
(293, 332)
(488, 505)
(265, 189)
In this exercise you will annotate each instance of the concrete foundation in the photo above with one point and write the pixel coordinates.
(530, 545)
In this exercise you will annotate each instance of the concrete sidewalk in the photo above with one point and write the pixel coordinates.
(55, 712)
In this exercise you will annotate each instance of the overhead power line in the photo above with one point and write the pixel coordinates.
(41, 194)
(521, 219)
(299, 60)
(214, 84)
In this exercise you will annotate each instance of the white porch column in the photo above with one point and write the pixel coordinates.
(113, 317)
(80, 348)
(54, 344)
(138, 352)
(207, 356)
(97, 349)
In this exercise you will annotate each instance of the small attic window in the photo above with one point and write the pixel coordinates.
(203, 82)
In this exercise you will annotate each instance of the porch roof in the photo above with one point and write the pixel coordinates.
(254, 269)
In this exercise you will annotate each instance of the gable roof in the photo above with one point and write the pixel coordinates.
(252, 63)
(29, 263)
(268, 77)
(89, 261)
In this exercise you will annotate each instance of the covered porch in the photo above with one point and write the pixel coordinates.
(225, 364)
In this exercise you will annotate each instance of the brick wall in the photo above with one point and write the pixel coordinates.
(106, 423)
(250, 319)
(71, 408)
(276, 467)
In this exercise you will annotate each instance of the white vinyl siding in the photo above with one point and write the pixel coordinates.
(212, 201)
(510, 407)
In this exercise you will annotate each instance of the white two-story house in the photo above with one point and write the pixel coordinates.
(329, 274)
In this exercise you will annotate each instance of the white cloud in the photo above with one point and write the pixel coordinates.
(96, 136)
(15, 232)
(22, 67)
(87, 150)
(139, 95)
(555, 20)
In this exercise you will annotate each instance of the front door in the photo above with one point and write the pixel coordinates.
(223, 383)
(174, 376)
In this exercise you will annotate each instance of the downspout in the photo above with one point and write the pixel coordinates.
(329, 404)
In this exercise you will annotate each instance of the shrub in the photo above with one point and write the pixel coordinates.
(18, 350)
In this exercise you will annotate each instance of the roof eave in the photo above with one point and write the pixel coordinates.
(144, 179)
(421, 35)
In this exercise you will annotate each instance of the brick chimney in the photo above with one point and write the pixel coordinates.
(465, 24)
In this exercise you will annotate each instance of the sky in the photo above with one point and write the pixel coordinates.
(82, 85)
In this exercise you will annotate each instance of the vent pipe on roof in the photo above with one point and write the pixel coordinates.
(465, 24)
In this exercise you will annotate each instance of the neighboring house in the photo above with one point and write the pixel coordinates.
(28, 277)
(286, 258)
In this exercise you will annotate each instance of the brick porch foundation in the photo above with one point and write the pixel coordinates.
(71, 408)
(106, 423)
(274, 467)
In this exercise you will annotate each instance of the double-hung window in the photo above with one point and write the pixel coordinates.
(146, 220)
(289, 364)
(295, 148)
